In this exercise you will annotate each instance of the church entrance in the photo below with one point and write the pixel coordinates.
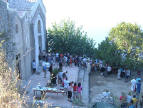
(39, 39)
(40, 43)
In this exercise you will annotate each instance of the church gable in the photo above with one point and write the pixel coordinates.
(26, 23)
(38, 12)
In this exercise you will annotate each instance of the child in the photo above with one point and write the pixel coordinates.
(131, 104)
(79, 89)
(134, 101)
(70, 91)
(129, 98)
(141, 102)
(66, 85)
(34, 66)
(75, 91)
(123, 100)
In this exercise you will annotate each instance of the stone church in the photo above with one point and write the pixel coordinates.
(23, 23)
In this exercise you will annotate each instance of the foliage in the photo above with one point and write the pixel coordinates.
(66, 38)
(108, 52)
(128, 39)
(9, 95)
(55, 71)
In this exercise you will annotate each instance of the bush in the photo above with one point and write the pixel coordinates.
(9, 96)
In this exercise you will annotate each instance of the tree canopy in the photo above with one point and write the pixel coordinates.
(67, 38)
(123, 46)
(108, 52)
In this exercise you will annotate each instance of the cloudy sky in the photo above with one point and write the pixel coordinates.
(96, 16)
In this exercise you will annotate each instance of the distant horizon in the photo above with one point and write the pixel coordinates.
(96, 16)
(97, 34)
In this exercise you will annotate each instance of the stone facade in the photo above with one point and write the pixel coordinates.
(24, 26)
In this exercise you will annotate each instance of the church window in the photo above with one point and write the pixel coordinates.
(16, 28)
(39, 26)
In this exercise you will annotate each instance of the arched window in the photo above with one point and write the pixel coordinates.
(39, 26)
(16, 28)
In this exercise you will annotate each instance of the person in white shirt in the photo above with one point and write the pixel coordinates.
(129, 98)
(70, 90)
(119, 73)
(133, 85)
(109, 69)
(45, 66)
(127, 73)
(66, 85)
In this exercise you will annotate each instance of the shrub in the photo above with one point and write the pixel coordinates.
(9, 96)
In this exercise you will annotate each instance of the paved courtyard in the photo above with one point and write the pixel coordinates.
(52, 98)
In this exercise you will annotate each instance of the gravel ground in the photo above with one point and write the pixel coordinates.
(99, 83)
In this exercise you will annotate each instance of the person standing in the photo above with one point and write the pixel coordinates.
(109, 69)
(131, 105)
(60, 76)
(128, 73)
(75, 91)
(65, 75)
(66, 85)
(79, 89)
(119, 73)
(34, 66)
(51, 70)
(135, 101)
(44, 68)
(138, 87)
(141, 102)
(70, 91)
(102, 71)
(133, 85)
(57, 57)
(129, 98)
(60, 65)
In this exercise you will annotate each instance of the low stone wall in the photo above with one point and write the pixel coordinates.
(83, 77)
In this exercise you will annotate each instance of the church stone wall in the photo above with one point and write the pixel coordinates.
(4, 28)
(3, 17)
(22, 42)
(27, 49)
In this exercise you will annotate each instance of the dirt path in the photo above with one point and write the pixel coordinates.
(99, 83)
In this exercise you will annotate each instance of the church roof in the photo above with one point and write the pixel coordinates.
(21, 5)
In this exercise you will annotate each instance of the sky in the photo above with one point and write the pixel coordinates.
(97, 17)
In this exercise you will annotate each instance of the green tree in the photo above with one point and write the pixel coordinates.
(108, 52)
(128, 38)
(67, 38)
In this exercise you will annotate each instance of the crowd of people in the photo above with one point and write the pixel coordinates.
(134, 99)
(106, 69)
(47, 59)
(73, 89)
